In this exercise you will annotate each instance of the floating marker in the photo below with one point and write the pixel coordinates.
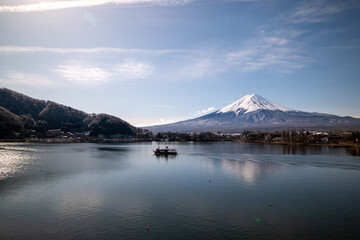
(209, 180)
(269, 204)
(147, 228)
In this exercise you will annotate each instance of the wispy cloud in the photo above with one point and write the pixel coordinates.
(132, 69)
(277, 45)
(83, 74)
(35, 49)
(194, 63)
(168, 120)
(204, 111)
(267, 51)
(275, 50)
(90, 75)
(15, 78)
(278, 48)
(258, 53)
(57, 5)
(318, 10)
(275, 41)
(197, 68)
(153, 122)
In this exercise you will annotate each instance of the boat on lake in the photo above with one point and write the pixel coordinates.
(165, 151)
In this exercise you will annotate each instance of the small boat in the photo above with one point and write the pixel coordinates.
(165, 151)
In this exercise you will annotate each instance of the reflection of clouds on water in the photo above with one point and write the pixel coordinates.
(247, 170)
(211, 166)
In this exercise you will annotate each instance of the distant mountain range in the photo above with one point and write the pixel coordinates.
(253, 112)
(22, 116)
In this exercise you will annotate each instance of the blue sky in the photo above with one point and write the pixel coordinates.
(151, 62)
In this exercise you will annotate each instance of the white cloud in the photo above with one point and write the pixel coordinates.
(90, 75)
(153, 122)
(35, 49)
(168, 120)
(46, 6)
(276, 41)
(198, 67)
(20, 78)
(131, 69)
(277, 46)
(83, 74)
(257, 53)
(204, 111)
(268, 50)
(318, 11)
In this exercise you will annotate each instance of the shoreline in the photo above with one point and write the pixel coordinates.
(50, 140)
(331, 145)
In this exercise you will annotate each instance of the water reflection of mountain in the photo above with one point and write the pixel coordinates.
(253, 162)
(253, 168)
(247, 168)
(258, 148)
(319, 150)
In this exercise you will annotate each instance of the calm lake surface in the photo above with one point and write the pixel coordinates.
(209, 191)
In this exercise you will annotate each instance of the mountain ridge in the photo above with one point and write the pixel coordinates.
(253, 112)
(21, 115)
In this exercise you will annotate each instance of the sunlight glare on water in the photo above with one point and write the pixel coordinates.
(13, 159)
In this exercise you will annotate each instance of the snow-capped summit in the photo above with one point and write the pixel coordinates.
(253, 112)
(251, 103)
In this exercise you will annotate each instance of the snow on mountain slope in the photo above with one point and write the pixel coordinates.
(253, 112)
(251, 103)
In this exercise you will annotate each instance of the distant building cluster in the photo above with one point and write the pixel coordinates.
(288, 137)
(343, 138)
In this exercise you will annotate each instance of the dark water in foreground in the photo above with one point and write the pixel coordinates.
(106, 191)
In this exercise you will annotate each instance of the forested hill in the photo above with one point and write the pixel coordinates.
(21, 116)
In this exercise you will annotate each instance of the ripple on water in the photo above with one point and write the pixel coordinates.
(14, 159)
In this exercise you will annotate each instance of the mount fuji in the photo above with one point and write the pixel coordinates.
(253, 112)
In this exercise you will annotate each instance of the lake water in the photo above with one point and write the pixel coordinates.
(209, 191)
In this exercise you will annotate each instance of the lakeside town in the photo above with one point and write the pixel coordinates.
(331, 138)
